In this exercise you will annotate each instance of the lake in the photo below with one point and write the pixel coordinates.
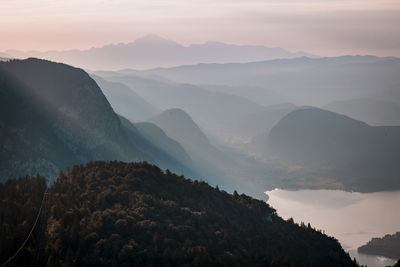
(351, 217)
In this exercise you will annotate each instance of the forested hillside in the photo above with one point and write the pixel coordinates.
(388, 246)
(133, 214)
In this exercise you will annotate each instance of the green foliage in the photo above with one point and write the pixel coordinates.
(119, 214)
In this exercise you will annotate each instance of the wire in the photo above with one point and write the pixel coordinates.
(29, 235)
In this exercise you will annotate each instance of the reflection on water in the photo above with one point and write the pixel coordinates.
(352, 218)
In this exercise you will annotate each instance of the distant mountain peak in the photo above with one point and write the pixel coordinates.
(154, 40)
(177, 112)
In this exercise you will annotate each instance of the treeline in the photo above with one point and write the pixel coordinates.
(388, 246)
(134, 214)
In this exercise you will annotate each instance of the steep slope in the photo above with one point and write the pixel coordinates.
(354, 154)
(113, 213)
(53, 116)
(154, 51)
(208, 160)
(125, 101)
(158, 138)
(165, 152)
(372, 111)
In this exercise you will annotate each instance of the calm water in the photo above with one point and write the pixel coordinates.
(352, 218)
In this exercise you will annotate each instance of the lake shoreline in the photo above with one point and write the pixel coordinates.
(351, 217)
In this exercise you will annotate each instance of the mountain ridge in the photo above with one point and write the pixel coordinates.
(152, 51)
(53, 116)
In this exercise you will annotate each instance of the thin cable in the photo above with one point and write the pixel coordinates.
(30, 233)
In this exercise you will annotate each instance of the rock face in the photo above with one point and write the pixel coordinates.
(53, 116)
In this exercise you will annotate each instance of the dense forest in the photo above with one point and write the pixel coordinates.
(134, 214)
(388, 246)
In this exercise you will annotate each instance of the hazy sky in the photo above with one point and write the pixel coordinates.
(325, 27)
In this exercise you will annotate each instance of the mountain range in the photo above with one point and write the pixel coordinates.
(53, 116)
(208, 108)
(153, 51)
(301, 81)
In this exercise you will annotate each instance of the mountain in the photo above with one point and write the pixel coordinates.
(53, 116)
(387, 246)
(372, 111)
(125, 214)
(349, 153)
(248, 126)
(154, 51)
(125, 101)
(302, 81)
(207, 108)
(209, 161)
(258, 94)
(217, 164)
(165, 152)
(158, 138)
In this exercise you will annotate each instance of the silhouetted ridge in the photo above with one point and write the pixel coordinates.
(348, 152)
(387, 246)
(53, 116)
(124, 214)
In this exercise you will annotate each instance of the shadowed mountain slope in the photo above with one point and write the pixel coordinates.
(125, 101)
(210, 161)
(207, 108)
(53, 116)
(352, 153)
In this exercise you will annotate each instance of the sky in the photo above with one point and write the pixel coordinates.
(322, 27)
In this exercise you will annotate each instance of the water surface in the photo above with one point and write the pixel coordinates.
(353, 218)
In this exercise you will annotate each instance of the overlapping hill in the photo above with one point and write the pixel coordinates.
(331, 148)
(114, 213)
(53, 116)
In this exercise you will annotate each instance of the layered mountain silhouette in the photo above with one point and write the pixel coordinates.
(153, 51)
(248, 126)
(302, 81)
(53, 116)
(208, 160)
(125, 101)
(261, 95)
(372, 111)
(335, 147)
(387, 246)
(207, 108)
